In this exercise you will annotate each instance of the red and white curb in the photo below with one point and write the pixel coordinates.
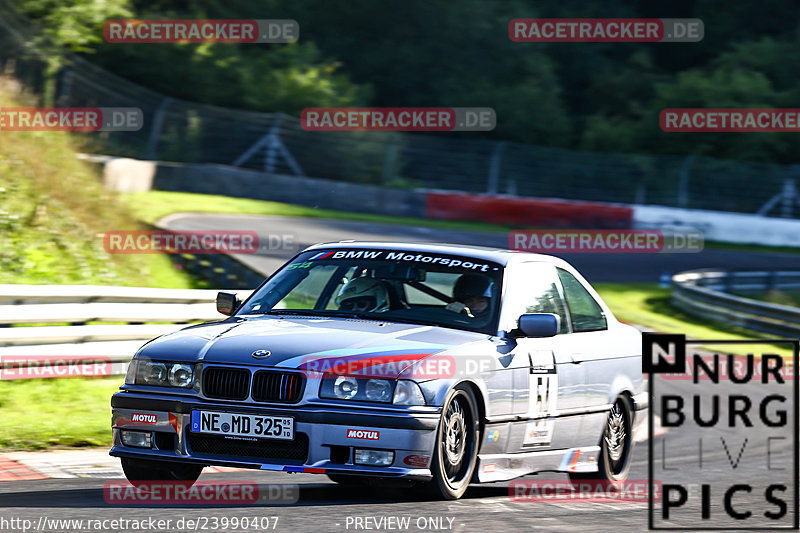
(68, 464)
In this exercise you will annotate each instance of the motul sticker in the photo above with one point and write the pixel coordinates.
(144, 418)
(361, 434)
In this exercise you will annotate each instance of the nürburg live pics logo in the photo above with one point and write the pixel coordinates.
(726, 457)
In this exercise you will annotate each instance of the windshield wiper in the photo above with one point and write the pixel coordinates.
(287, 312)
(316, 312)
(328, 313)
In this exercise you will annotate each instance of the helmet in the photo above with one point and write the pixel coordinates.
(473, 285)
(364, 295)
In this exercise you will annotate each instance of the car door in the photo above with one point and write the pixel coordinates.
(590, 346)
(555, 382)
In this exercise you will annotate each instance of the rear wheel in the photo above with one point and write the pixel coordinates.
(142, 471)
(456, 449)
(616, 447)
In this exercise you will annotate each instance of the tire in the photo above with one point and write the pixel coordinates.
(616, 448)
(142, 471)
(456, 450)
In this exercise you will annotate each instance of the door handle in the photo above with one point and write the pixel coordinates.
(576, 358)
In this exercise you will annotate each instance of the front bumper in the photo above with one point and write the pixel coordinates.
(410, 436)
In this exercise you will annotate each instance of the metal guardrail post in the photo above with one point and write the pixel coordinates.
(494, 168)
(155, 131)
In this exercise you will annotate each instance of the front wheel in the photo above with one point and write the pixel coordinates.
(456, 451)
(616, 447)
(141, 472)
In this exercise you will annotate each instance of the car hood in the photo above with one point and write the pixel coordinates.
(320, 344)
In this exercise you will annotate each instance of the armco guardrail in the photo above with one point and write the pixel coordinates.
(82, 349)
(708, 293)
(81, 304)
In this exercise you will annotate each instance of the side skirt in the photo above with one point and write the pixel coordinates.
(502, 467)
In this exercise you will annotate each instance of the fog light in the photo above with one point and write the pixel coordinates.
(373, 457)
(136, 439)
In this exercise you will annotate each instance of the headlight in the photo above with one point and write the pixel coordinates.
(130, 375)
(154, 373)
(408, 393)
(161, 374)
(401, 392)
(379, 390)
(345, 387)
(359, 389)
(181, 375)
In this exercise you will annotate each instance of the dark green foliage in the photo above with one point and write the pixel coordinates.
(600, 97)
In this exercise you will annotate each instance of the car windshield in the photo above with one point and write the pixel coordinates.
(401, 286)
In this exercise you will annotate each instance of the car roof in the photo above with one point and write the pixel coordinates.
(498, 255)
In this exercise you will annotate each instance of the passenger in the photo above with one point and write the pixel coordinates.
(475, 292)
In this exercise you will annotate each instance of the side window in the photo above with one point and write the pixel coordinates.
(586, 313)
(331, 304)
(538, 293)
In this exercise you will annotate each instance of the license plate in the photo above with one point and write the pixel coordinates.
(265, 427)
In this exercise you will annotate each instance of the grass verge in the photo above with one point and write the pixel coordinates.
(42, 413)
(54, 210)
(648, 305)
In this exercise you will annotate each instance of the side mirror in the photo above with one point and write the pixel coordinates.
(227, 303)
(539, 325)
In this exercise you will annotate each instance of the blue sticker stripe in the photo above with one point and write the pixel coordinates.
(271, 467)
(567, 460)
(292, 468)
(320, 255)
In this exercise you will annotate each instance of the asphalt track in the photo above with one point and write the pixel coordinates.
(282, 237)
(325, 506)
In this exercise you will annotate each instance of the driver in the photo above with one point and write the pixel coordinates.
(475, 292)
(363, 295)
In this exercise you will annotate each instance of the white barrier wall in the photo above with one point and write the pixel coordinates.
(720, 226)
